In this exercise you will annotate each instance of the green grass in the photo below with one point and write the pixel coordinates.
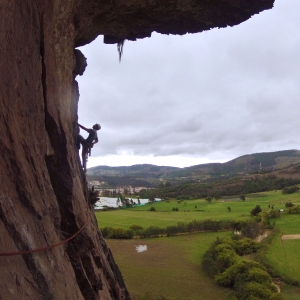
(283, 255)
(171, 267)
(290, 292)
(289, 224)
(192, 210)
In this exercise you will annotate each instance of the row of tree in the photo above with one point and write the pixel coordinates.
(237, 186)
(247, 228)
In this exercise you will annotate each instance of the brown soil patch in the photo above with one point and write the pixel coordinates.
(262, 236)
(290, 237)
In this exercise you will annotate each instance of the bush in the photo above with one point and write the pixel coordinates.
(249, 279)
(272, 213)
(106, 231)
(256, 210)
(245, 246)
(152, 209)
(253, 290)
(116, 233)
(208, 199)
(290, 190)
(152, 231)
(121, 233)
(172, 230)
(293, 210)
(251, 229)
(136, 227)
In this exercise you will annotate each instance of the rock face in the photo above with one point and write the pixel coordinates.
(43, 197)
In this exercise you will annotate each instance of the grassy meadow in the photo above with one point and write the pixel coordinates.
(189, 210)
(283, 255)
(171, 266)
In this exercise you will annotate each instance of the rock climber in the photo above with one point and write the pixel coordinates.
(87, 143)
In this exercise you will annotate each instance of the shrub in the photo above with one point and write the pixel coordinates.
(136, 227)
(249, 279)
(251, 229)
(253, 290)
(290, 190)
(238, 273)
(120, 233)
(293, 210)
(116, 233)
(272, 213)
(106, 231)
(208, 199)
(152, 231)
(152, 209)
(256, 210)
(172, 230)
(245, 246)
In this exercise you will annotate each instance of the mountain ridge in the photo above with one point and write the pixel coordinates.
(149, 175)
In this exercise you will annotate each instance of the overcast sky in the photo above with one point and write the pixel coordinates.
(199, 98)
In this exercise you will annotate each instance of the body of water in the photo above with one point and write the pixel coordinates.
(115, 203)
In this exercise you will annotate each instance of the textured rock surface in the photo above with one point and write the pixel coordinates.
(43, 196)
(132, 19)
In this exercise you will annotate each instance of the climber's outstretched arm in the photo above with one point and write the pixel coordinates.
(82, 127)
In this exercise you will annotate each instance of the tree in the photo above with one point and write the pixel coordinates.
(229, 208)
(256, 210)
(208, 199)
(290, 190)
(151, 199)
(217, 196)
(243, 197)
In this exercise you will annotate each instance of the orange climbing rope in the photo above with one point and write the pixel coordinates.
(44, 248)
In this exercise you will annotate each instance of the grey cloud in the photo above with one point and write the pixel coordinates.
(221, 93)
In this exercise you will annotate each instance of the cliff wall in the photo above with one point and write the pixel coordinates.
(43, 197)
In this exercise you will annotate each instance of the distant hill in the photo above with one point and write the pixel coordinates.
(237, 186)
(153, 176)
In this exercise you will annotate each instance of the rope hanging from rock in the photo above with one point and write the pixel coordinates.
(44, 248)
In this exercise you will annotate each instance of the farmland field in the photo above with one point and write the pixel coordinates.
(189, 210)
(171, 266)
(284, 254)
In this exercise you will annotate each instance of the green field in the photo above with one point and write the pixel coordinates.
(192, 210)
(283, 255)
(171, 266)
